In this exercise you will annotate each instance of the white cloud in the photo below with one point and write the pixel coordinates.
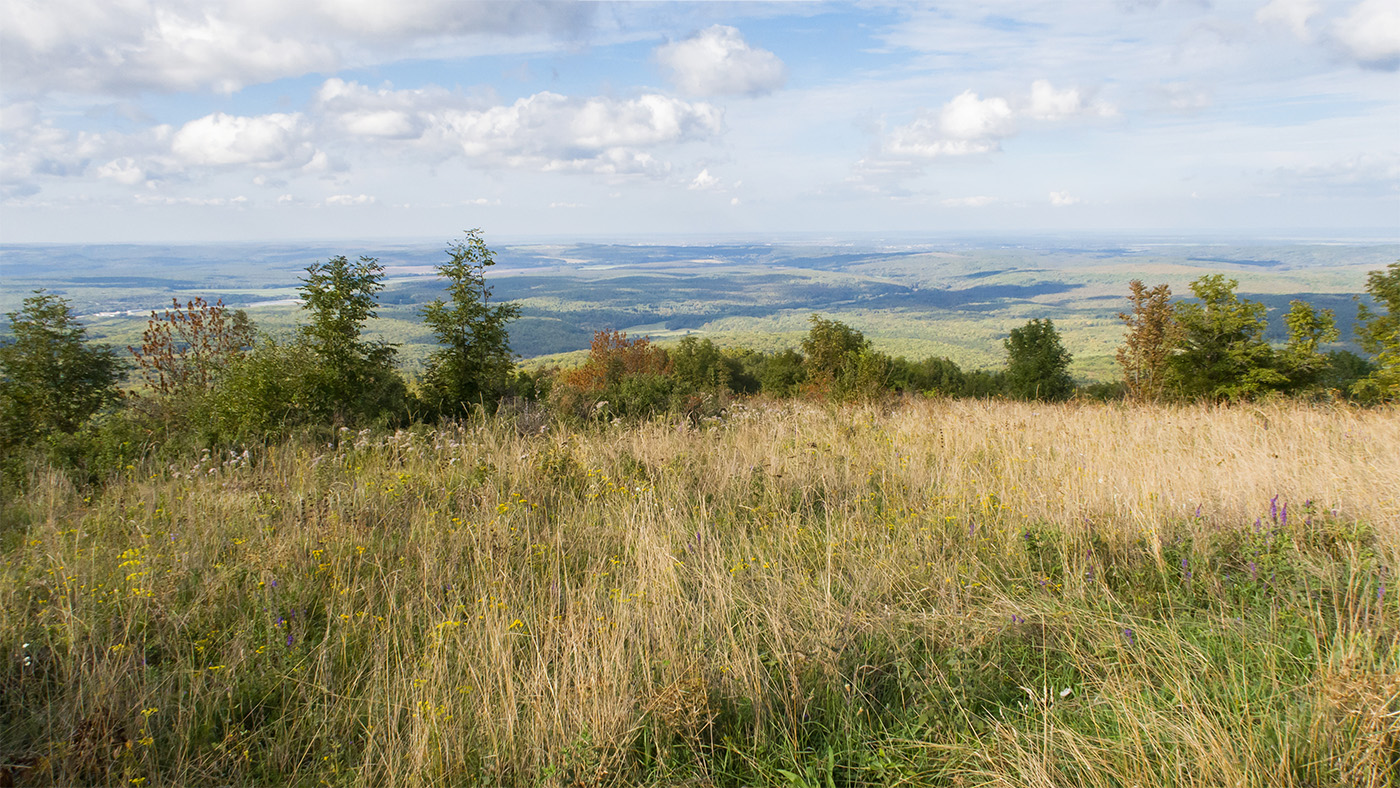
(1047, 103)
(718, 61)
(276, 140)
(1292, 14)
(124, 171)
(546, 131)
(551, 132)
(1371, 33)
(1062, 199)
(966, 125)
(969, 125)
(705, 181)
(975, 201)
(224, 45)
(350, 199)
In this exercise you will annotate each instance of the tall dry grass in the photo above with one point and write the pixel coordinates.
(940, 592)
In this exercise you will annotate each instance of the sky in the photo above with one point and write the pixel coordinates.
(256, 120)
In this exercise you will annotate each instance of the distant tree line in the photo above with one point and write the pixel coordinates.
(209, 379)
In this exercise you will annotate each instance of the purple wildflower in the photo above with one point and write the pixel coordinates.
(289, 639)
(1186, 568)
(1198, 514)
(1283, 518)
(1273, 508)
(1380, 594)
(1253, 571)
(1015, 619)
(1128, 636)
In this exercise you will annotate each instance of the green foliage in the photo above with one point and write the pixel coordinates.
(1301, 360)
(474, 363)
(1379, 334)
(353, 379)
(51, 379)
(780, 374)
(701, 365)
(933, 375)
(1037, 364)
(1344, 370)
(267, 392)
(840, 364)
(1221, 352)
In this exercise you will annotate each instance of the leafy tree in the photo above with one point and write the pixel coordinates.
(51, 379)
(829, 348)
(1301, 361)
(1379, 334)
(474, 363)
(840, 363)
(1344, 370)
(781, 374)
(1147, 347)
(353, 378)
(932, 375)
(699, 364)
(1037, 364)
(1221, 353)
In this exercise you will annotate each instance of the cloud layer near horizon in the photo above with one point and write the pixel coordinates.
(129, 114)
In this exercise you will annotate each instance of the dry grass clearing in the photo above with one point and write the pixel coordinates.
(936, 593)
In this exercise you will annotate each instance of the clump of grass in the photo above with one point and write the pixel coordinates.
(939, 593)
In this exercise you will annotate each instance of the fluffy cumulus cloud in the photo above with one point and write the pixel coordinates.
(223, 45)
(545, 131)
(1063, 199)
(272, 141)
(1370, 33)
(717, 61)
(969, 124)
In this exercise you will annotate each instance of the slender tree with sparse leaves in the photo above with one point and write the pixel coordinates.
(472, 366)
(1152, 332)
(354, 379)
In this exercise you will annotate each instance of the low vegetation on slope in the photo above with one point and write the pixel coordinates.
(943, 592)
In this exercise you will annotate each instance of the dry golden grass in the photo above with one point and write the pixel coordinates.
(874, 595)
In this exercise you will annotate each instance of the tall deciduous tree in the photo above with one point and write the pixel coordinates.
(1221, 350)
(51, 379)
(1037, 364)
(355, 377)
(474, 361)
(1152, 333)
(1379, 334)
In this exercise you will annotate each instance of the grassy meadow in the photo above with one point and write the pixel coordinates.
(946, 593)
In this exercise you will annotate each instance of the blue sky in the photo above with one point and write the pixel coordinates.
(211, 120)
